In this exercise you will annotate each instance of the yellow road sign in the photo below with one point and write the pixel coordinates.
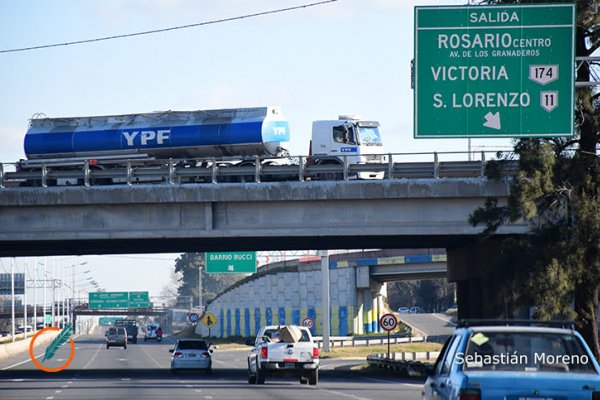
(209, 319)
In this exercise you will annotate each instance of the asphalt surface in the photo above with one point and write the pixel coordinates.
(142, 372)
(429, 324)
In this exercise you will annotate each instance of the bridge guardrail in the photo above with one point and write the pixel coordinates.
(212, 170)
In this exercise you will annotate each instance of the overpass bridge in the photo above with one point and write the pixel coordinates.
(289, 291)
(294, 215)
(250, 216)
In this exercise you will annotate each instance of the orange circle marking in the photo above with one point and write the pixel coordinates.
(40, 366)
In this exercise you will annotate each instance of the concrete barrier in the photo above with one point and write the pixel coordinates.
(13, 349)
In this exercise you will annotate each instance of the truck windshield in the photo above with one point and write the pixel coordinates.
(369, 136)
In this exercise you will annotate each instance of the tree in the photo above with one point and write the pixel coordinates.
(557, 268)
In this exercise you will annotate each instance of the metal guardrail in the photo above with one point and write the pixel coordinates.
(213, 170)
(354, 341)
(404, 367)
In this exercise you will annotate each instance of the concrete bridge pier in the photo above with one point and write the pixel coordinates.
(466, 267)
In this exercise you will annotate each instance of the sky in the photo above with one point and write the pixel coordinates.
(344, 57)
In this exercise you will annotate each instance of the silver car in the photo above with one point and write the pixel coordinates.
(191, 354)
(116, 337)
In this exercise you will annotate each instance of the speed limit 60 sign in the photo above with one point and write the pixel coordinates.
(388, 322)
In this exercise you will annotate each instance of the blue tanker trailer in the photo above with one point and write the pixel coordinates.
(171, 134)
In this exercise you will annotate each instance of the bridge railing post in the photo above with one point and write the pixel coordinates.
(436, 165)
(257, 169)
(214, 170)
(171, 172)
(1, 176)
(86, 173)
(346, 168)
(44, 176)
(482, 164)
(129, 173)
(301, 169)
(390, 172)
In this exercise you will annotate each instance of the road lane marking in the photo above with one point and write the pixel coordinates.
(412, 385)
(198, 390)
(208, 397)
(444, 319)
(58, 391)
(125, 379)
(49, 397)
(93, 357)
(64, 386)
(351, 396)
(152, 358)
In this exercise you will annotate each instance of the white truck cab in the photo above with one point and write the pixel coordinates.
(350, 136)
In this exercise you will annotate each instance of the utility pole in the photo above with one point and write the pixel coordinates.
(200, 288)
(45, 283)
(53, 306)
(326, 302)
(12, 294)
(34, 296)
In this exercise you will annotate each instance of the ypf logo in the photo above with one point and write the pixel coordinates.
(59, 340)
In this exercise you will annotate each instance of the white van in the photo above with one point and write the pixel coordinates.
(151, 331)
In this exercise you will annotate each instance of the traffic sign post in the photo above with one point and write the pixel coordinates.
(388, 322)
(236, 262)
(209, 320)
(494, 71)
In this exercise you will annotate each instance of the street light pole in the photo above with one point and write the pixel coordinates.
(325, 290)
(34, 295)
(53, 306)
(12, 294)
(45, 283)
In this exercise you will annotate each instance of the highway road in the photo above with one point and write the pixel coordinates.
(142, 372)
(429, 324)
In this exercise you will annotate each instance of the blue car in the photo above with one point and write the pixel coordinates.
(510, 362)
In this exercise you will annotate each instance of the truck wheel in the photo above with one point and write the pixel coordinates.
(260, 378)
(313, 378)
(251, 377)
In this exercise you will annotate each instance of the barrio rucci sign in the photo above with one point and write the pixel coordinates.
(494, 71)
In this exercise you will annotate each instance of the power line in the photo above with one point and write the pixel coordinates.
(127, 35)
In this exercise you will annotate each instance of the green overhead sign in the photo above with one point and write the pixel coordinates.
(236, 262)
(119, 300)
(494, 71)
(139, 300)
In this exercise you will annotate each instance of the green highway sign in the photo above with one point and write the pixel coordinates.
(109, 300)
(139, 300)
(236, 262)
(494, 71)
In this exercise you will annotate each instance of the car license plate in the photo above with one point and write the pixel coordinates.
(289, 365)
(192, 355)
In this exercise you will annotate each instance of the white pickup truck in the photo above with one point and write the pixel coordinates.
(283, 351)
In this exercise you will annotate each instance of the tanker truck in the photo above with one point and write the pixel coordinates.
(195, 139)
